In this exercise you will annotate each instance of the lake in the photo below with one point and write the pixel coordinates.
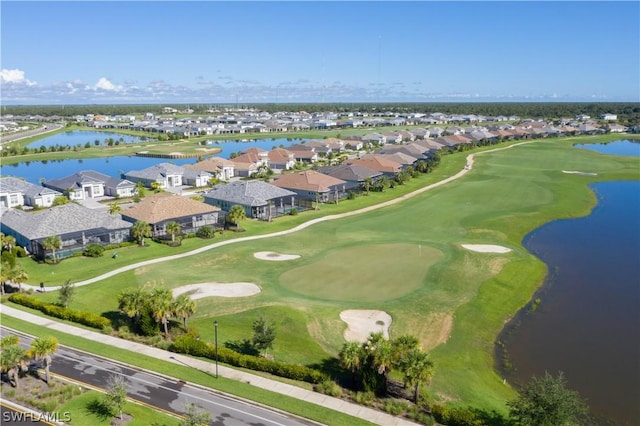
(34, 171)
(588, 322)
(621, 147)
(81, 137)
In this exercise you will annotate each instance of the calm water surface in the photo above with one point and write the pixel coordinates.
(34, 171)
(81, 137)
(621, 147)
(588, 324)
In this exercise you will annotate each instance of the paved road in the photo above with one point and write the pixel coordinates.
(29, 133)
(161, 392)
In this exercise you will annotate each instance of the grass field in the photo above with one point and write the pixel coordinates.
(405, 259)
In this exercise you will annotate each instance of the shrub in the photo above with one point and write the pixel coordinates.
(329, 387)
(86, 318)
(20, 252)
(93, 250)
(365, 398)
(293, 212)
(395, 407)
(205, 232)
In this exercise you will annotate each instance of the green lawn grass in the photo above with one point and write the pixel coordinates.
(508, 194)
(85, 410)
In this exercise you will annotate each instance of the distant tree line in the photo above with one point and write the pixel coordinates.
(628, 112)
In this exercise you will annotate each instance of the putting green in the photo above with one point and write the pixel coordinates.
(364, 273)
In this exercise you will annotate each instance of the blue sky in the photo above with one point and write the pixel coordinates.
(208, 52)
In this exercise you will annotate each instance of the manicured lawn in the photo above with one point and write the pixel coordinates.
(86, 410)
(361, 262)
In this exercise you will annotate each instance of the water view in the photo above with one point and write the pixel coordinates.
(82, 137)
(34, 171)
(588, 322)
(621, 147)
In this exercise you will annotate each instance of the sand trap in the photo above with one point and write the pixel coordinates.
(361, 323)
(576, 172)
(198, 291)
(486, 248)
(272, 255)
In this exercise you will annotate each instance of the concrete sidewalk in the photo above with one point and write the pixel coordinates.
(322, 400)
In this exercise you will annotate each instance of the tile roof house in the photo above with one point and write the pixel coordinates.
(159, 209)
(250, 161)
(219, 167)
(196, 178)
(400, 157)
(387, 167)
(16, 192)
(90, 184)
(167, 175)
(353, 174)
(76, 226)
(282, 159)
(259, 199)
(313, 186)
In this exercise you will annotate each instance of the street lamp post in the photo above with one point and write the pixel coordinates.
(215, 324)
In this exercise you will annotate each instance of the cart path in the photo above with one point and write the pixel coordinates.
(468, 167)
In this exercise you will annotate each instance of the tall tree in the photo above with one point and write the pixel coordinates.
(263, 334)
(41, 349)
(546, 401)
(173, 228)
(53, 243)
(236, 214)
(184, 307)
(161, 304)
(351, 357)
(417, 369)
(141, 230)
(18, 275)
(132, 302)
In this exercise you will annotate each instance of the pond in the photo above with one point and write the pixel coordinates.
(82, 137)
(587, 324)
(35, 171)
(621, 147)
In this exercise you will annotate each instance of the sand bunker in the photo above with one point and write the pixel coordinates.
(361, 323)
(576, 172)
(272, 255)
(198, 291)
(486, 248)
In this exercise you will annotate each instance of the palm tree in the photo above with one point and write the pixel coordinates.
(184, 307)
(366, 184)
(18, 275)
(417, 369)
(236, 214)
(173, 228)
(140, 190)
(114, 208)
(131, 302)
(52, 243)
(161, 304)
(351, 357)
(140, 230)
(43, 348)
(381, 352)
(13, 359)
(8, 242)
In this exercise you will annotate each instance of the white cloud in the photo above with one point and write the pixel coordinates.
(105, 84)
(15, 77)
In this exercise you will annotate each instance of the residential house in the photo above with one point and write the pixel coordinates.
(15, 192)
(196, 178)
(399, 157)
(378, 163)
(162, 208)
(312, 186)
(250, 161)
(219, 167)
(260, 200)
(77, 226)
(353, 175)
(281, 159)
(88, 184)
(166, 175)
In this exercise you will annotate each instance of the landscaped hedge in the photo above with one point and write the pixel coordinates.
(190, 345)
(81, 317)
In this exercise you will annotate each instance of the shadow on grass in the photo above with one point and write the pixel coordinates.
(242, 346)
(99, 409)
(118, 319)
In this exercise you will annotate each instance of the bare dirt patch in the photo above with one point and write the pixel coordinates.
(272, 255)
(362, 322)
(198, 291)
(486, 248)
